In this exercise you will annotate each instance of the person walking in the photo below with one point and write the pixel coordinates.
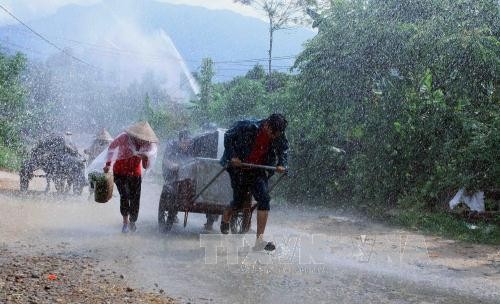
(128, 154)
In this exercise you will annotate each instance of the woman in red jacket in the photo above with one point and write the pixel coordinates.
(129, 153)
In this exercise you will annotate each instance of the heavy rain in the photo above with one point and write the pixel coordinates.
(249, 151)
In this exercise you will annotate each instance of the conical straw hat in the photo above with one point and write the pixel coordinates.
(104, 135)
(142, 130)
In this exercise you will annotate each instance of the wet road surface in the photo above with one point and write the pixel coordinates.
(320, 257)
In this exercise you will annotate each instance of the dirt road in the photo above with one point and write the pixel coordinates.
(321, 257)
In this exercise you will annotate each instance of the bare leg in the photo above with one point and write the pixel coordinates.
(261, 227)
(261, 222)
(125, 219)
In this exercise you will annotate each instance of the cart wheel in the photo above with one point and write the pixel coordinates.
(166, 215)
(241, 222)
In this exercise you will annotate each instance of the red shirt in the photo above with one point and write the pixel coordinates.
(126, 163)
(259, 150)
(129, 166)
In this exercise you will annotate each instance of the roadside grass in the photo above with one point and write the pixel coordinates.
(413, 215)
(9, 160)
(446, 225)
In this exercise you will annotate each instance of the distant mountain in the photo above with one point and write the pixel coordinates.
(127, 30)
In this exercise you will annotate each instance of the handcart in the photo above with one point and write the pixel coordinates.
(202, 191)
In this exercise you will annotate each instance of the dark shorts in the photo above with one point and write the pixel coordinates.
(249, 182)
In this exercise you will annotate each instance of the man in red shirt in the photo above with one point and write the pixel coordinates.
(130, 152)
(260, 142)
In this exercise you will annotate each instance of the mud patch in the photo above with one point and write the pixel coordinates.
(64, 279)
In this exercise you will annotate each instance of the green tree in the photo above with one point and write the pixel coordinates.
(242, 98)
(281, 14)
(206, 90)
(12, 108)
(11, 94)
(165, 119)
(256, 73)
(409, 90)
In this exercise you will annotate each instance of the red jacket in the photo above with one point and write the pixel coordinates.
(126, 163)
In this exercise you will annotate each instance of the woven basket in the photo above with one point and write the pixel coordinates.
(103, 186)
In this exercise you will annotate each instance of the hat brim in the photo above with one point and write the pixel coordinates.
(142, 131)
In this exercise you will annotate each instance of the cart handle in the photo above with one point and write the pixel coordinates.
(244, 165)
(260, 167)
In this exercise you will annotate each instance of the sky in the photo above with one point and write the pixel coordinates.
(28, 10)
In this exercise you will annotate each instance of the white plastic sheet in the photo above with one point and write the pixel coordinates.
(125, 151)
(202, 171)
(98, 163)
(475, 202)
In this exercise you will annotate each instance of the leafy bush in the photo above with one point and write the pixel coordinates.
(9, 159)
(12, 109)
(446, 225)
(409, 92)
